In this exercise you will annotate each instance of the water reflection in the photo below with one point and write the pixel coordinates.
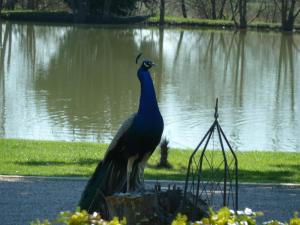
(79, 83)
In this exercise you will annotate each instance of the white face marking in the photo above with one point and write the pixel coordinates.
(147, 64)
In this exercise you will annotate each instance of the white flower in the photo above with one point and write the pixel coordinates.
(244, 223)
(239, 212)
(235, 223)
(95, 214)
(248, 212)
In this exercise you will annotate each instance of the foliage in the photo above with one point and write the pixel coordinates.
(95, 7)
(41, 16)
(228, 217)
(164, 152)
(222, 217)
(80, 218)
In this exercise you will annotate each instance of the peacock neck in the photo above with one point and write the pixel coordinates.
(148, 101)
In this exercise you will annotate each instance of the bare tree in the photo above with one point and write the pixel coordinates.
(31, 4)
(212, 9)
(183, 9)
(222, 7)
(288, 12)
(239, 8)
(262, 8)
(10, 4)
(162, 12)
(1, 5)
(106, 9)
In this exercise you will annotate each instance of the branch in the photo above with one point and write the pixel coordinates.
(297, 13)
(233, 13)
(277, 4)
(204, 8)
(260, 10)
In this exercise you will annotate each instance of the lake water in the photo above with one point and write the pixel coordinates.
(78, 83)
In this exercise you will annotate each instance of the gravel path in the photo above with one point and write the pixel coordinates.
(23, 199)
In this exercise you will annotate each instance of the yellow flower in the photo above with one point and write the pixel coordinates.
(205, 221)
(180, 220)
(79, 218)
(116, 221)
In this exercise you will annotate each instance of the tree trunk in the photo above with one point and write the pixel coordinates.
(213, 9)
(137, 208)
(30, 4)
(10, 4)
(243, 13)
(221, 12)
(183, 8)
(283, 13)
(1, 4)
(233, 11)
(106, 9)
(82, 12)
(162, 13)
(288, 14)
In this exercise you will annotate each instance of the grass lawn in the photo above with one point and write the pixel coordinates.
(49, 158)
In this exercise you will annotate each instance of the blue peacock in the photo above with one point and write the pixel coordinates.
(122, 168)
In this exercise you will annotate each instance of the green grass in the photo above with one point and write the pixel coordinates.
(195, 22)
(169, 20)
(49, 158)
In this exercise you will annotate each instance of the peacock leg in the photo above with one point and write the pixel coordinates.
(142, 166)
(129, 170)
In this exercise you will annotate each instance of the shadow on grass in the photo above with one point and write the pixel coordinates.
(286, 174)
(80, 162)
(283, 176)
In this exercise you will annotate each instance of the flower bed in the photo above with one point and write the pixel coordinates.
(222, 217)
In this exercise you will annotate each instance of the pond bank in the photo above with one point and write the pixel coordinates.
(28, 198)
(66, 17)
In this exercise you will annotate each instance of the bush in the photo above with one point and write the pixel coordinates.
(80, 218)
(223, 217)
(227, 217)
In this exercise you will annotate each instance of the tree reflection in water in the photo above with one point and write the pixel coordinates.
(80, 81)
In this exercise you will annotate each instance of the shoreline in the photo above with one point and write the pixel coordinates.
(67, 18)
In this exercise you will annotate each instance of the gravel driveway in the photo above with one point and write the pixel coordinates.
(23, 199)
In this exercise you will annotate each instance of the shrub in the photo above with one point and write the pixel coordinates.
(80, 218)
(228, 217)
(222, 217)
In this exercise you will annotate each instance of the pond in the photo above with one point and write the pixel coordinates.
(78, 83)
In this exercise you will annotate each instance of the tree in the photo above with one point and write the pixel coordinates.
(162, 12)
(104, 8)
(183, 9)
(288, 13)
(239, 7)
(212, 9)
(31, 4)
(1, 4)
(10, 4)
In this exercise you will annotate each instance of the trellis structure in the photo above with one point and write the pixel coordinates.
(212, 174)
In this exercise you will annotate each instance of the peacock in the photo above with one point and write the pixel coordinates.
(122, 168)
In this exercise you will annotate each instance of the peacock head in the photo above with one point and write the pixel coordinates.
(146, 64)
